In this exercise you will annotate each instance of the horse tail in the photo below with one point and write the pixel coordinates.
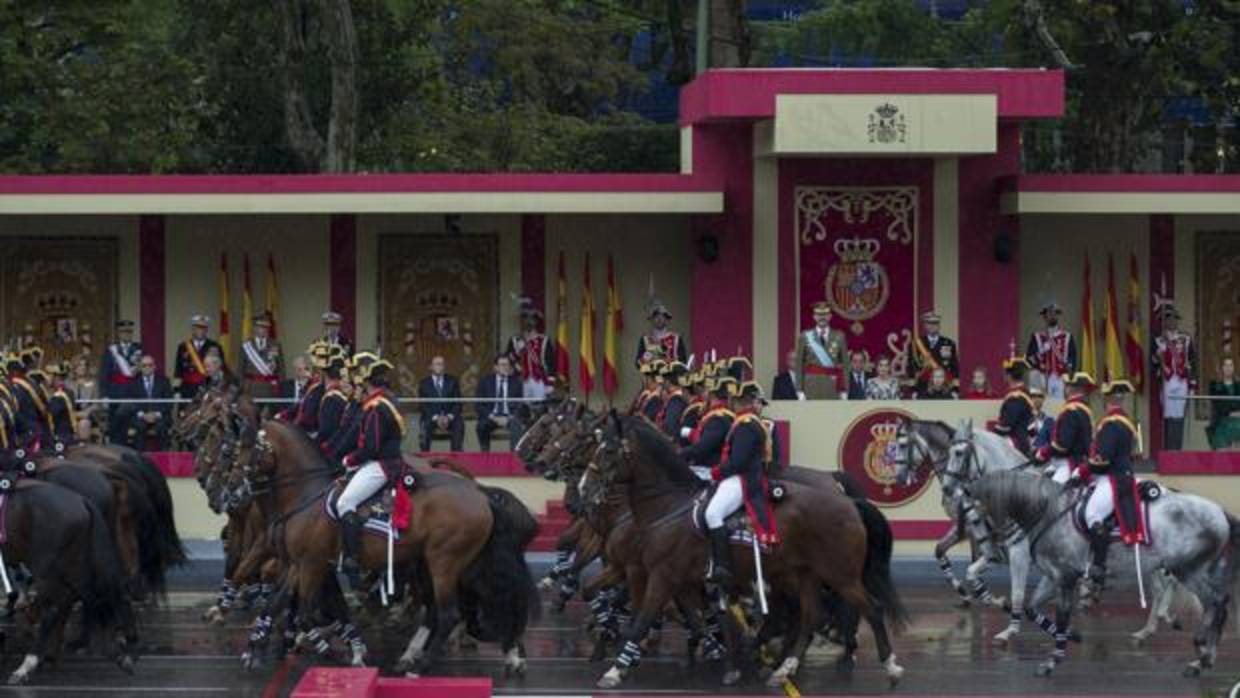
(849, 484)
(508, 598)
(876, 574)
(1233, 567)
(525, 526)
(452, 467)
(103, 590)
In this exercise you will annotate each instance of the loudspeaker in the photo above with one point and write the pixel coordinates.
(1004, 248)
(708, 248)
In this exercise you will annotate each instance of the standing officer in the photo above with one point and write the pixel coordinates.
(932, 350)
(119, 365)
(820, 356)
(1175, 362)
(262, 361)
(191, 369)
(661, 342)
(1052, 350)
(531, 353)
(332, 335)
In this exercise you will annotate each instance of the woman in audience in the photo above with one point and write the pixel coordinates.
(939, 388)
(83, 386)
(979, 388)
(1224, 429)
(883, 386)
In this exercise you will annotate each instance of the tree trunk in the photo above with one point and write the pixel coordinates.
(302, 137)
(341, 152)
(729, 34)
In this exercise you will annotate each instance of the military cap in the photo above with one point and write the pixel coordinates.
(725, 386)
(750, 390)
(737, 366)
(1170, 311)
(332, 317)
(123, 325)
(822, 307)
(1080, 379)
(199, 321)
(1119, 386)
(1016, 363)
(33, 353)
(657, 308)
(931, 318)
(1051, 308)
(262, 320)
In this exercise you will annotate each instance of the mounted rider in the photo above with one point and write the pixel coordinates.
(350, 427)
(30, 416)
(1016, 411)
(695, 383)
(706, 442)
(60, 405)
(306, 413)
(650, 400)
(741, 474)
(1072, 433)
(334, 401)
(1116, 441)
(675, 400)
(376, 460)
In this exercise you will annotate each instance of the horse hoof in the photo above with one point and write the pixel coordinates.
(1074, 636)
(733, 677)
(846, 663)
(1192, 671)
(1044, 669)
(611, 679)
(998, 602)
(16, 679)
(964, 604)
(1004, 638)
(1138, 639)
(249, 661)
(126, 663)
(1177, 625)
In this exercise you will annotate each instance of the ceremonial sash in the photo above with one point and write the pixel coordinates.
(121, 362)
(816, 346)
(251, 353)
(931, 362)
(195, 358)
(374, 402)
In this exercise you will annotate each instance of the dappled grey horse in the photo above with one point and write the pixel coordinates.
(1193, 539)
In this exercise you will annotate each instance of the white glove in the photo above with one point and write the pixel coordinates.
(686, 432)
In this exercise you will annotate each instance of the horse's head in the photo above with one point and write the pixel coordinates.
(610, 464)
(256, 466)
(909, 451)
(536, 437)
(962, 465)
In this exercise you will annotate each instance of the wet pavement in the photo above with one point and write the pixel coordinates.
(946, 651)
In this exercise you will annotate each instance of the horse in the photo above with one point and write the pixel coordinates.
(65, 542)
(662, 492)
(453, 526)
(1193, 539)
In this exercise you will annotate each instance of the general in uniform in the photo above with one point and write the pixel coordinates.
(660, 343)
(1016, 411)
(531, 353)
(332, 336)
(931, 351)
(119, 365)
(820, 356)
(190, 368)
(262, 361)
(1052, 350)
(1072, 433)
(1174, 357)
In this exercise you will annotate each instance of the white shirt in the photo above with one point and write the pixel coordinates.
(502, 392)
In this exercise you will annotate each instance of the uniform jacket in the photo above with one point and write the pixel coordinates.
(331, 409)
(344, 441)
(746, 454)
(533, 356)
(189, 359)
(1115, 441)
(709, 436)
(927, 354)
(307, 414)
(1015, 414)
(383, 430)
(669, 347)
(263, 363)
(119, 367)
(668, 419)
(1073, 433)
(1052, 351)
(64, 418)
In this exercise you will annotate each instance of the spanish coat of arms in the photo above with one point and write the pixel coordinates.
(886, 125)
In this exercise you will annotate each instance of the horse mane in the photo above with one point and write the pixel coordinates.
(661, 451)
(1023, 497)
(299, 444)
(451, 466)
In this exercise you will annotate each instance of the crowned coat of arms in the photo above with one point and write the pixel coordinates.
(857, 285)
(886, 125)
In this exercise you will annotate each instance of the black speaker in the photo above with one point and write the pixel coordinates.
(708, 248)
(1004, 248)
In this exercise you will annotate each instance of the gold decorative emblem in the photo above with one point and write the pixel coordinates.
(880, 455)
(886, 125)
(857, 286)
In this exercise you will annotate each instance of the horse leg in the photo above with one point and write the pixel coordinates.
(1211, 587)
(53, 615)
(417, 644)
(1019, 560)
(946, 543)
(654, 598)
(810, 602)
(1065, 587)
(261, 630)
(1161, 590)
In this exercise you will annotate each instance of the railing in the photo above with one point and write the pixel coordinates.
(292, 401)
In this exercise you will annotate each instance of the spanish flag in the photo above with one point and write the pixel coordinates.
(585, 354)
(225, 342)
(273, 294)
(1113, 356)
(247, 300)
(615, 323)
(1089, 329)
(1132, 342)
(561, 330)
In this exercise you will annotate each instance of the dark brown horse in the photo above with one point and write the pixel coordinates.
(825, 545)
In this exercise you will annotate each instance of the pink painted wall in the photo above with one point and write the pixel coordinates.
(721, 292)
(989, 290)
(846, 172)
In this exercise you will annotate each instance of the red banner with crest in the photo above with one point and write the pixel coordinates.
(857, 250)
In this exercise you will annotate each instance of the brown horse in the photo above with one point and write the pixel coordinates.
(453, 527)
(824, 546)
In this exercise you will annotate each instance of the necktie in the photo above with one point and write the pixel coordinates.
(439, 385)
(503, 395)
(148, 387)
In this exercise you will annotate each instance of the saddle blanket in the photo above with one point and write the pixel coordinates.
(740, 531)
(1149, 492)
(375, 511)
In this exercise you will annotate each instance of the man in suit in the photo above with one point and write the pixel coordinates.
(787, 386)
(295, 387)
(501, 386)
(191, 370)
(146, 417)
(857, 376)
(820, 356)
(441, 416)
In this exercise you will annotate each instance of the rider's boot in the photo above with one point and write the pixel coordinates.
(1099, 543)
(351, 539)
(720, 571)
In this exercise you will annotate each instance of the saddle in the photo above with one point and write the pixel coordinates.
(375, 512)
(1147, 491)
(738, 525)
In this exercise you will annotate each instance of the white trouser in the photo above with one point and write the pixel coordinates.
(1175, 389)
(365, 482)
(1101, 503)
(536, 389)
(1054, 386)
(729, 497)
(1063, 469)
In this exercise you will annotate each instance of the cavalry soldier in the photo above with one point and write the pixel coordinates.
(60, 405)
(1110, 461)
(30, 414)
(820, 356)
(1041, 424)
(334, 401)
(696, 384)
(1175, 361)
(261, 360)
(189, 368)
(1071, 434)
(650, 400)
(8, 411)
(376, 460)
(345, 439)
(706, 441)
(332, 335)
(306, 415)
(660, 342)
(674, 399)
(741, 474)
(119, 366)
(932, 350)
(1052, 350)
(1016, 411)
(530, 351)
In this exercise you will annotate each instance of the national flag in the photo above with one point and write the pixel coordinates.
(1132, 343)
(247, 300)
(615, 323)
(585, 354)
(1089, 329)
(273, 295)
(225, 343)
(561, 330)
(1113, 356)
